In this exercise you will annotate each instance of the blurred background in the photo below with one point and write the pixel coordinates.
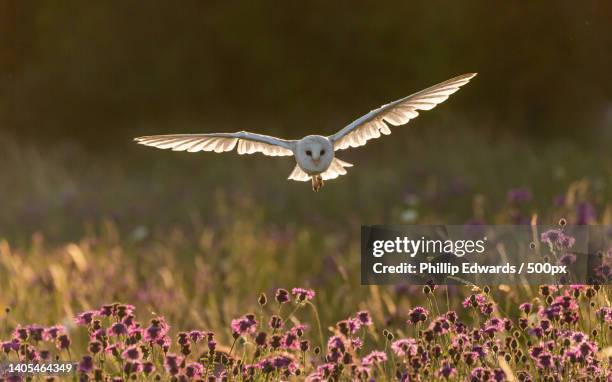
(79, 80)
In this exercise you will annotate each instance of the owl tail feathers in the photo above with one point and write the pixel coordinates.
(336, 168)
(299, 175)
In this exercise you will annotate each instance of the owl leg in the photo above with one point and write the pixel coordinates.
(317, 182)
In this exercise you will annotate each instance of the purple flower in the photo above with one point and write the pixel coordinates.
(35, 332)
(567, 259)
(157, 330)
(194, 370)
(404, 347)
(94, 347)
(114, 349)
(290, 341)
(303, 294)
(282, 296)
(447, 371)
(117, 329)
(336, 343)
(132, 353)
(277, 362)
(196, 336)
(132, 367)
(148, 367)
(20, 333)
(245, 324)
(51, 333)
(86, 364)
(545, 360)
(417, 315)
(85, 318)
(276, 322)
(604, 313)
(63, 342)
(526, 307)
(374, 358)
(13, 345)
(364, 317)
(172, 363)
(440, 325)
(556, 239)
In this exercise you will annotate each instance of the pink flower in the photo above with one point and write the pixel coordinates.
(404, 347)
(303, 294)
(244, 325)
(51, 333)
(417, 315)
(86, 318)
(132, 353)
(374, 358)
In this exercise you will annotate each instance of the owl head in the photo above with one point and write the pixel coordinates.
(314, 154)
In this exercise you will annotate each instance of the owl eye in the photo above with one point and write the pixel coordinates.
(322, 152)
(308, 152)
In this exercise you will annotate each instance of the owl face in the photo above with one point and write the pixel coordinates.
(314, 154)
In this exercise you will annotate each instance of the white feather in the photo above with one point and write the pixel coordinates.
(395, 113)
(248, 143)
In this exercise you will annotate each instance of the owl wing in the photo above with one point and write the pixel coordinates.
(395, 113)
(248, 143)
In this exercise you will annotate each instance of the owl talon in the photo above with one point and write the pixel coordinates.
(317, 183)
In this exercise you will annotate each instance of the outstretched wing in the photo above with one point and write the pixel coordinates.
(395, 113)
(248, 143)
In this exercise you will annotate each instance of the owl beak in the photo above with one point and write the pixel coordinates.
(316, 160)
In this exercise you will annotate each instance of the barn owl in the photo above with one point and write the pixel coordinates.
(315, 154)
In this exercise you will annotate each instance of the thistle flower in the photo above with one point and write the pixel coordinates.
(194, 370)
(244, 325)
(557, 240)
(374, 358)
(132, 367)
(51, 333)
(526, 307)
(364, 318)
(277, 362)
(35, 332)
(417, 315)
(404, 347)
(63, 342)
(336, 342)
(13, 345)
(276, 322)
(604, 313)
(85, 318)
(132, 354)
(94, 347)
(86, 364)
(282, 296)
(446, 371)
(303, 294)
(196, 336)
(20, 333)
(117, 329)
(172, 363)
(148, 367)
(158, 329)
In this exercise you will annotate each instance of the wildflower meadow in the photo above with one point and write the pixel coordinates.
(224, 285)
